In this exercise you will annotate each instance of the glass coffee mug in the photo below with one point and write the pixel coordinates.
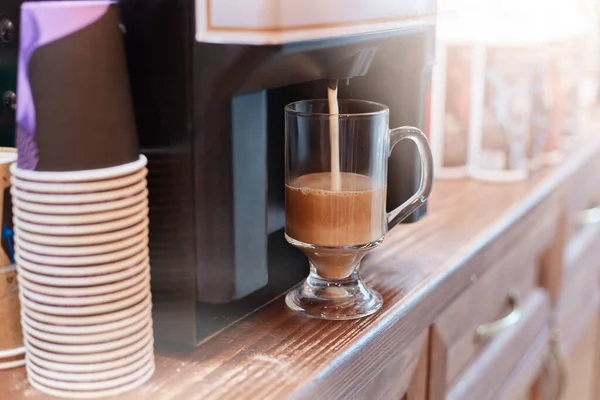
(335, 200)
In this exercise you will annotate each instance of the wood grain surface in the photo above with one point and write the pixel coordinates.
(276, 354)
(398, 377)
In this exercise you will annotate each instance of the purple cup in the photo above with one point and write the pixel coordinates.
(74, 104)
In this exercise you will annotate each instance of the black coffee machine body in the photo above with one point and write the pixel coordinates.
(9, 50)
(209, 99)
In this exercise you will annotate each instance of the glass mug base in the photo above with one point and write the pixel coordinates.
(342, 299)
(333, 289)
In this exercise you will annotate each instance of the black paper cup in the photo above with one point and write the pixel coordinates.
(74, 105)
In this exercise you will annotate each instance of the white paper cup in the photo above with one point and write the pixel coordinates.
(12, 364)
(82, 219)
(92, 349)
(103, 337)
(88, 358)
(83, 240)
(93, 386)
(107, 366)
(80, 176)
(85, 320)
(83, 292)
(142, 312)
(80, 209)
(12, 352)
(79, 187)
(8, 155)
(72, 251)
(91, 376)
(85, 281)
(87, 198)
(75, 230)
(87, 271)
(92, 389)
(80, 261)
(91, 395)
(78, 301)
(88, 311)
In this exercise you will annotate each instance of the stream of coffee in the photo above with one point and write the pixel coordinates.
(334, 135)
(334, 209)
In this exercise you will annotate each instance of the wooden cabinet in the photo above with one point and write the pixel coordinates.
(578, 321)
(481, 336)
(578, 232)
(488, 371)
(552, 350)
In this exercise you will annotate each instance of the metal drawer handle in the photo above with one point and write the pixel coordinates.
(590, 216)
(486, 332)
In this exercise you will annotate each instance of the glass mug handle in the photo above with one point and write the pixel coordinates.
(409, 206)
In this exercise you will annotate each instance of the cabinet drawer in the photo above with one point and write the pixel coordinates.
(455, 345)
(402, 378)
(529, 372)
(583, 196)
(492, 367)
(454, 342)
(580, 298)
(582, 254)
(569, 256)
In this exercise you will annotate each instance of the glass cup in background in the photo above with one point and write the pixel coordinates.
(336, 228)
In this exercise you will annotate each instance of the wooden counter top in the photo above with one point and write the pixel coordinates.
(275, 354)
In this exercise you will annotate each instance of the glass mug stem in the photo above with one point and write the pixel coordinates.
(336, 225)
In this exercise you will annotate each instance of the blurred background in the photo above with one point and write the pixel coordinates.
(513, 85)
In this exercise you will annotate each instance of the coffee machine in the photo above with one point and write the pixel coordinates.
(210, 79)
(9, 28)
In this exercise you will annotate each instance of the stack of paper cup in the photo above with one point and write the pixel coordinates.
(80, 204)
(82, 258)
